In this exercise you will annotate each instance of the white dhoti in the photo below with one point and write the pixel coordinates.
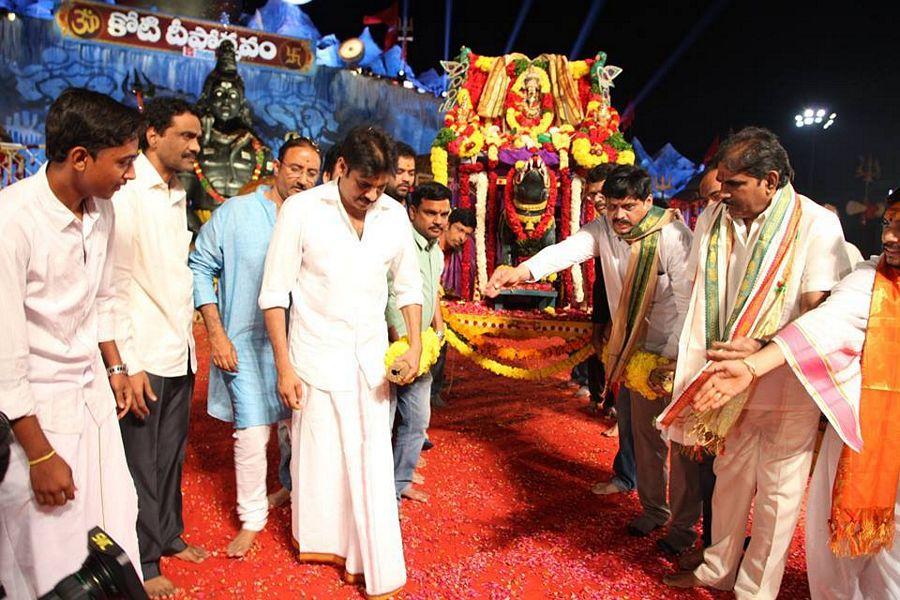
(874, 577)
(39, 545)
(343, 504)
(766, 461)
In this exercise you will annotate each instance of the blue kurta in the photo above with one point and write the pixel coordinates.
(232, 247)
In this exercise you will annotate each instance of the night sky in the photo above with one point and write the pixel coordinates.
(757, 63)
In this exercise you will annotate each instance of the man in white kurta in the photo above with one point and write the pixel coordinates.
(331, 251)
(768, 452)
(56, 307)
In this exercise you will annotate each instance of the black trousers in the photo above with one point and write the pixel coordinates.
(154, 449)
(707, 485)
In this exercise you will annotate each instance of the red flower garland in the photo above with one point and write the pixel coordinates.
(590, 213)
(509, 208)
(465, 275)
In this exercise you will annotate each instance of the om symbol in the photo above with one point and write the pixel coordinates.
(84, 22)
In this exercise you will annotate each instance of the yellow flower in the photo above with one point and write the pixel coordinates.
(626, 157)
(560, 140)
(486, 63)
(637, 373)
(518, 142)
(578, 69)
(431, 347)
(493, 153)
(471, 145)
(584, 156)
(439, 164)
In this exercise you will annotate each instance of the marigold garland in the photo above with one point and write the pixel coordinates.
(512, 372)
(512, 219)
(439, 164)
(637, 373)
(431, 348)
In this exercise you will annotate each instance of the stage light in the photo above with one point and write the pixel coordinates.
(11, 16)
(297, 2)
(814, 116)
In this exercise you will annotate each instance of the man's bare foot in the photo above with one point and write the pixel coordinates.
(278, 498)
(194, 554)
(160, 587)
(414, 494)
(612, 431)
(418, 478)
(241, 543)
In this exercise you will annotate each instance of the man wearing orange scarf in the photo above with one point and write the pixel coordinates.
(845, 354)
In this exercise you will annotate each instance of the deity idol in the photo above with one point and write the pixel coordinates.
(231, 154)
(528, 225)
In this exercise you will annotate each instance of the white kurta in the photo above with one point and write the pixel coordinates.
(673, 285)
(769, 451)
(343, 504)
(56, 306)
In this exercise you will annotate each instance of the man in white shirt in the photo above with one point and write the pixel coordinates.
(154, 312)
(67, 471)
(331, 252)
(762, 256)
(636, 243)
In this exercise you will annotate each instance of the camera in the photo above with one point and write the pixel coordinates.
(106, 574)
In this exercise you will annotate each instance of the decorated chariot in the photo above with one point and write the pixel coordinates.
(519, 136)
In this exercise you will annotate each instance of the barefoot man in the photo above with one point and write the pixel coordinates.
(331, 252)
(67, 471)
(232, 246)
(154, 312)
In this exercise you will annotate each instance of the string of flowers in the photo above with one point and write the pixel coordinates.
(637, 373)
(465, 274)
(513, 372)
(564, 231)
(574, 201)
(590, 213)
(431, 348)
(481, 185)
(491, 232)
(510, 208)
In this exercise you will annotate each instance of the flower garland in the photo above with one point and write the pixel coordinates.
(575, 225)
(491, 230)
(514, 117)
(637, 373)
(439, 164)
(590, 213)
(260, 156)
(481, 185)
(513, 372)
(512, 219)
(431, 348)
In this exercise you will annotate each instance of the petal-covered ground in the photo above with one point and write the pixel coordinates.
(510, 514)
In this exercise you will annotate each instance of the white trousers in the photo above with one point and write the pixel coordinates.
(250, 466)
(831, 578)
(343, 505)
(766, 462)
(39, 545)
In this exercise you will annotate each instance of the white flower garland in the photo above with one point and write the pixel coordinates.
(575, 225)
(481, 187)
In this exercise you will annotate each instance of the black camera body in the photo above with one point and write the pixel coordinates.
(106, 574)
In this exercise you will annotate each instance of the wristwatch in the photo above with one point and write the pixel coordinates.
(116, 370)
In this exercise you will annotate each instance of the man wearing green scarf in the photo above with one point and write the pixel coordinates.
(643, 251)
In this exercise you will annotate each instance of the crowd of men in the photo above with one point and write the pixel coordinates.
(301, 286)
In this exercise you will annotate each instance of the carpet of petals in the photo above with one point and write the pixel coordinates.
(510, 512)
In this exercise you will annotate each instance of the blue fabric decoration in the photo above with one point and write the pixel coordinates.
(277, 16)
(39, 63)
(373, 50)
(669, 170)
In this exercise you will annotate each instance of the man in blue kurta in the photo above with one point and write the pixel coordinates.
(242, 381)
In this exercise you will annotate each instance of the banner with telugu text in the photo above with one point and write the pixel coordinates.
(91, 22)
